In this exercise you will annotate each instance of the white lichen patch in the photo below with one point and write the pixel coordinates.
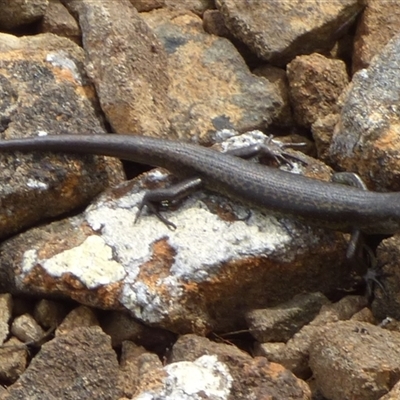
(61, 60)
(202, 243)
(206, 377)
(35, 184)
(91, 262)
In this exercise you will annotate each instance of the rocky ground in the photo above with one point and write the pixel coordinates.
(234, 303)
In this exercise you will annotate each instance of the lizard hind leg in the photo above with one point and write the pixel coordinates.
(356, 239)
(357, 244)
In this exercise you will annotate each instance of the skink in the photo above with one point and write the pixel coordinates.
(324, 204)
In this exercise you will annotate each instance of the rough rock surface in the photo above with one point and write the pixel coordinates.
(211, 86)
(5, 315)
(294, 355)
(315, 83)
(133, 88)
(13, 361)
(26, 329)
(135, 362)
(314, 26)
(387, 295)
(196, 6)
(79, 317)
(59, 21)
(50, 376)
(394, 394)
(45, 90)
(147, 5)
(121, 327)
(280, 323)
(379, 22)
(252, 377)
(279, 79)
(20, 12)
(49, 313)
(355, 360)
(368, 126)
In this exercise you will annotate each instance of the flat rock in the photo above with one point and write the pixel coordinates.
(204, 69)
(49, 313)
(56, 371)
(294, 355)
(147, 5)
(355, 360)
(196, 6)
(203, 379)
(278, 31)
(44, 89)
(132, 89)
(79, 317)
(278, 78)
(21, 12)
(59, 21)
(122, 327)
(135, 365)
(26, 329)
(368, 125)
(213, 23)
(13, 361)
(280, 323)
(379, 22)
(252, 378)
(5, 315)
(386, 301)
(394, 394)
(315, 83)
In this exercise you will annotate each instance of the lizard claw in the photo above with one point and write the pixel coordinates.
(372, 278)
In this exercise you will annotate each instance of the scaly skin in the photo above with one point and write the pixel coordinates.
(324, 204)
